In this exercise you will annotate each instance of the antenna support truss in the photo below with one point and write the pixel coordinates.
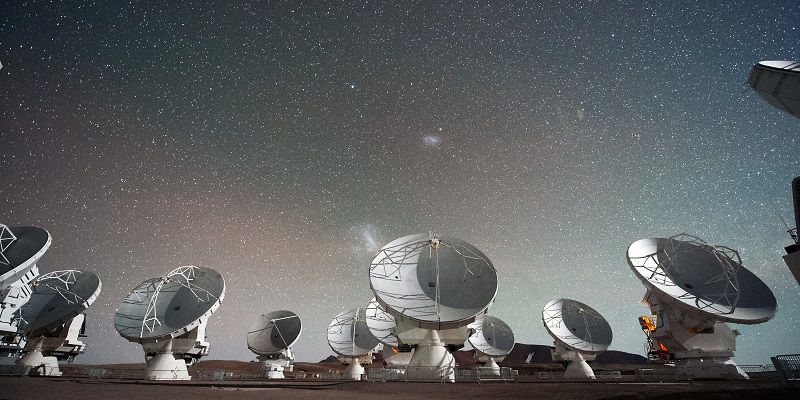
(6, 239)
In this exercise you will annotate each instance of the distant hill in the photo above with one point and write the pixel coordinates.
(529, 354)
(330, 359)
(620, 357)
(540, 354)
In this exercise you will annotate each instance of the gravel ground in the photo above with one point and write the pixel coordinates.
(31, 388)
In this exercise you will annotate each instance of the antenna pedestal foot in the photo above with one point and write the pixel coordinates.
(579, 369)
(164, 367)
(491, 367)
(431, 361)
(40, 365)
(354, 371)
(272, 368)
(274, 373)
(355, 366)
(169, 360)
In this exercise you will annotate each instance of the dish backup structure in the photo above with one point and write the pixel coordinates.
(492, 340)
(434, 287)
(778, 83)
(351, 340)
(792, 257)
(580, 334)
(21, 247)
(271, 337)
(53, 319)
(168, 317)
(694, 289)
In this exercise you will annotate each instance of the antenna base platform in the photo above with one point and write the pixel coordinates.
(708, 368)
(272, 366)
(12, 298)
(43, 352)
(63, 343)
(11, 349)
(40, 365)
(698, 352)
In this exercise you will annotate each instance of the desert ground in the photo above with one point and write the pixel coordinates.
(33, 388)
(241, 382)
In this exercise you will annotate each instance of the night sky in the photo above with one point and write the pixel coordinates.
(283, 143)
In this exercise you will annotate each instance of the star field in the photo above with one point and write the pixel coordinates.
(282, 143)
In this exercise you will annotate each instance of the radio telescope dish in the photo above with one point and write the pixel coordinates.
(693, 289)
(350, 338)
(381, 324)
(434, 286)
(171, 305)
(20, 249)
(274, 332)
(58, 297)
(576, 325)
(434, 280)
(492, 340)
(778, 83)
(580, 334)
(492, 337)
(53, 319)
(168, 315)
(690, 274)
(272, 337)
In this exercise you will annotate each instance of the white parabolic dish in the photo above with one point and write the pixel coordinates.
(492, 336)
(433, 279)
(274, 332)
(57, 298)
(171, 305)
(702, 279)
(381, 324)
(30, 245)
(349, 336)
(576, 325)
